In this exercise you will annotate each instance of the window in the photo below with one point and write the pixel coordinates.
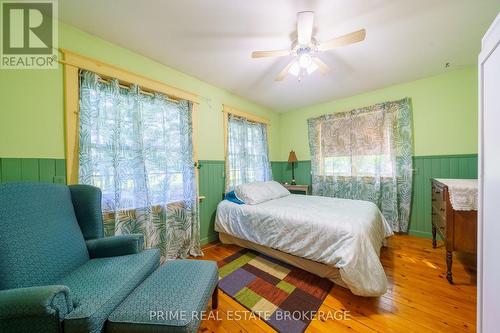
(126, 136)
(358, 166)
(136, 146)
(366, 154)
(363, 151)
(247, 157)
(133, 145)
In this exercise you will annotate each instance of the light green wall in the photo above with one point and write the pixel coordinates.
(31, 113)
(31, 107)
(31, 102)
(32, 141)
(444, 114)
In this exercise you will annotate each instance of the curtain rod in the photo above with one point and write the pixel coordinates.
(140, 91)
(246, 119)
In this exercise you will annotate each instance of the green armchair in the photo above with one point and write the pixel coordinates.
(57, 271)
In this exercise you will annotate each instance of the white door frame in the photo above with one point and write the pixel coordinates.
(490, 43)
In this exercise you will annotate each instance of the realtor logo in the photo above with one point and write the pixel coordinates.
(29, 35)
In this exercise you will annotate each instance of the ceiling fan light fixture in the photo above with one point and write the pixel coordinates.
(294, 69)
(305, 60)
(311, 68)
(305, 47)
(297, 70)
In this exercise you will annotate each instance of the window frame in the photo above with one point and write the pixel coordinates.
(73, 62)
(344, 176)
(229, 110)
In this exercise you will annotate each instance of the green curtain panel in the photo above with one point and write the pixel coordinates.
(138, 150)
(366, 154)
(247, 152)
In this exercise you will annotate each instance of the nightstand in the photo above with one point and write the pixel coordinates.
(297, 188)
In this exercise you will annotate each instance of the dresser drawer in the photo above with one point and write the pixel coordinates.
(439, 222)
(438, 201)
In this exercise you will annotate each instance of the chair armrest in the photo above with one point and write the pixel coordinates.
(115, 245)
(44, 301)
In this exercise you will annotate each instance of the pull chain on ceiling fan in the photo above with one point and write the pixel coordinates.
(305, 48)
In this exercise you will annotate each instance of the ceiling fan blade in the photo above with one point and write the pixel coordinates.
(305, 21)
(284, 72)
(323, 68)
(276, 53)
(351, 38)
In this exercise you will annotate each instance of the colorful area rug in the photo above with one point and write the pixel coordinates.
(285, 297)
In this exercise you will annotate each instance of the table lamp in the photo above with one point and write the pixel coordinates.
(292, 158)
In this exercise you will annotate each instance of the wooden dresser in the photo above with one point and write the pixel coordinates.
(458, 228)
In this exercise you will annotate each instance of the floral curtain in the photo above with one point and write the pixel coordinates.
(138, 150)
(247, 152)
(366, 154)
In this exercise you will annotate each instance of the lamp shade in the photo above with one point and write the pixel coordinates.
(292, 157)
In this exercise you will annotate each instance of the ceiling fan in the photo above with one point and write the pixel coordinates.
(305, 47)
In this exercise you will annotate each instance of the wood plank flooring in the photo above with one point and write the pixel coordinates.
(419, 298)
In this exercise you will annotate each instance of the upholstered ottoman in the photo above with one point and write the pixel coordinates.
(172, 299)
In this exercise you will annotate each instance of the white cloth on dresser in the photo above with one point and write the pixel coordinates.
(463, 193)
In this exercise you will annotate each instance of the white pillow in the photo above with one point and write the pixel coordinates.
(258, 192)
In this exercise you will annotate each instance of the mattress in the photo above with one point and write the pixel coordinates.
(329, 272)
(346, 234)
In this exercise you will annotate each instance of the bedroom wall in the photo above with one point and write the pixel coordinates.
(444, 127)
(32, 127)
(31, 101)
(32, 142)
(444, 114)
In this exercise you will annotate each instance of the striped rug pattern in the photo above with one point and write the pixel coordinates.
(285, 297)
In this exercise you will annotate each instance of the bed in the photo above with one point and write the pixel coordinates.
(335, 238)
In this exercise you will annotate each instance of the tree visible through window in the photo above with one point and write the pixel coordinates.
(137, 148)
(366, 154)
(247, 152)
(358, 166)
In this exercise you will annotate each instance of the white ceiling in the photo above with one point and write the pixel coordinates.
(213, 39)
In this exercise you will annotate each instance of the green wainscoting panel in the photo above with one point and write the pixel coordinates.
(302, 170)
(426, 167)
(32, 170)
(11, 169)
(212, 182)
(212, 185)
(277, 171)
(54, 171)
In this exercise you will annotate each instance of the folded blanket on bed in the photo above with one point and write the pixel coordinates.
(231, 196)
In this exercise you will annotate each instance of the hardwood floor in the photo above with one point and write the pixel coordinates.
(419, 298)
